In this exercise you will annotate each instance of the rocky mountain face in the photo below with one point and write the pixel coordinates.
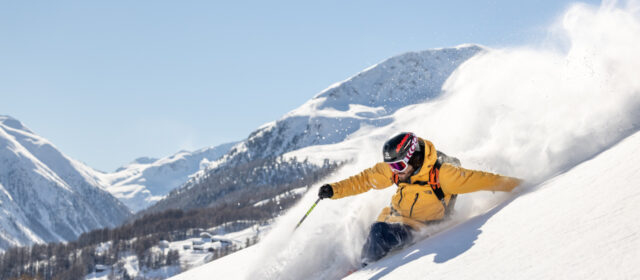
(46, 196)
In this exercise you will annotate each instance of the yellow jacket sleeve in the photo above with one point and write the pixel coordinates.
(378, 177)
(457, 180)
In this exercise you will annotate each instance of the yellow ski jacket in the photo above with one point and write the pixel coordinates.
(414, 203)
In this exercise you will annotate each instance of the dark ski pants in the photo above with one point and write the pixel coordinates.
(384, 237)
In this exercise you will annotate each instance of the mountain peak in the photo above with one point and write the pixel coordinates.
(404, 79)
(365, 99)
(144, 160)
(13, 123)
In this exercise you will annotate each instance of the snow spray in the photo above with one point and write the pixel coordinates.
(534, 111)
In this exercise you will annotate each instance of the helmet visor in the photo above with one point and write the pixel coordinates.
(398, 166)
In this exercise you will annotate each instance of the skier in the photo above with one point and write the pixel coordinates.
(427, 181)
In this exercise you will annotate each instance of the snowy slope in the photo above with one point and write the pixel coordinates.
(580, 225)
(45, 195)
(145, 181)
(560, 117)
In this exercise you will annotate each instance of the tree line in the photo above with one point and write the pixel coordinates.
(244, 183)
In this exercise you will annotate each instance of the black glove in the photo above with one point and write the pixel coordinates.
(326, 191)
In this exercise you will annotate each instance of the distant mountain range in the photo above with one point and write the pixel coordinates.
(145, 181)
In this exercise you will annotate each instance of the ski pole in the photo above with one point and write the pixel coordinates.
(305, 215)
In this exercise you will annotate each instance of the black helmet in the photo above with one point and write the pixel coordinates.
(398, 150)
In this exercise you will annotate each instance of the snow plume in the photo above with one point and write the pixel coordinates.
(534, 112)
(329, 241)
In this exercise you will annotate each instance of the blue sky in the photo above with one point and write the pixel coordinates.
(110, 81)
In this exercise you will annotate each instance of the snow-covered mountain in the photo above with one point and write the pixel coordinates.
(566, 118)
(46, 196)
(368, 99)
(146, 180)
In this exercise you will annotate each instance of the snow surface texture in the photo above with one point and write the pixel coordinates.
(46, 196)
(145, 181)
(542, 113)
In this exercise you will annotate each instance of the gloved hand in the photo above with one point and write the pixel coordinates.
(326, 191)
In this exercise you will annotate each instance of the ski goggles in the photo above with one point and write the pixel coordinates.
(398, 166)
(401, 165)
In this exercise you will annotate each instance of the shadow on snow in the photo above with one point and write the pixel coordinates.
(445, 245)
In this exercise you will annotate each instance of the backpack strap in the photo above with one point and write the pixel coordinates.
(434, 183)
